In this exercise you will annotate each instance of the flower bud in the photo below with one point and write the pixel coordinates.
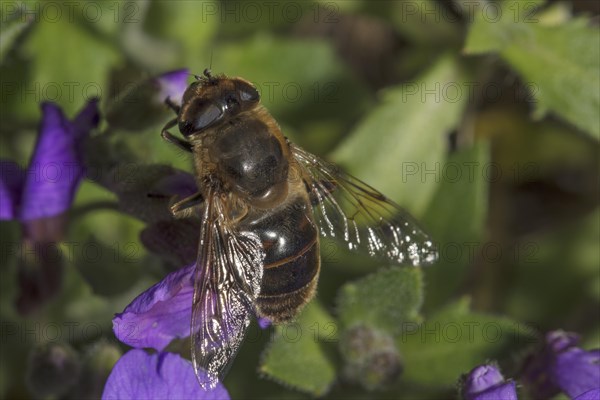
(357, 343)
(175, 241)
(381, 369)
(143, 104)
(142, 192)
(97, 364)
(558, 365)
(372, 359)
(53, 369)
(485, 382)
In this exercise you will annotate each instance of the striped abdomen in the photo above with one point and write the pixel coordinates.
(292, 260)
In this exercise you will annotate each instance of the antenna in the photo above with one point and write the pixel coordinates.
(206, 74)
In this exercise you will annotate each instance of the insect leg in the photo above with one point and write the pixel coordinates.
(183, 208)
(172, 105)
(182, 144)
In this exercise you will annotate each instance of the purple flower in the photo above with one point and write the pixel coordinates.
(485, 382)
(39, 196)
(181, 183)
(593, 394)
(560, 366)
(264, 323)
(172, 85)
(12, 178)
(160, 314)
(164, 311)
(156, 317)
(139, 375)
(55, 170)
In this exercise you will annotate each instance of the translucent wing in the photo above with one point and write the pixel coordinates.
(350, 210)
(227, 281)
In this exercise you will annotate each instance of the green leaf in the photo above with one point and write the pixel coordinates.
(240, 19)
(527, 150)
(103, 246)
(495, 25)
(108, 269)
(568, 260)
(288, 82)
(395, 145)
(559, 63)
(425, 22)
(464, 190)
(592, 339)
(386, 299)
(296, 356)
(187, 27)
(316, 98)
(455, 340)
(11, 30)
(70, 64)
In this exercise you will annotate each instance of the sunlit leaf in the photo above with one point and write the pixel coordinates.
(296, 356)
(559, 63)
(402, 140)
(385, 300)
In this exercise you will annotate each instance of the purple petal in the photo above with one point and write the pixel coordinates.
(503, 391)
(175, 240)
(264, 323)
(482, 377)
(577, 371)
(12, 179)
(180, 183)
(593, 394)
(485, 382)
(172, 84)
(561, 340)
(56, 169)
(87, 119)
(560, 366)
(160, 314)
(138, 375)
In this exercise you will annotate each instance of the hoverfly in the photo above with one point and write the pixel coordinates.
(263, 201)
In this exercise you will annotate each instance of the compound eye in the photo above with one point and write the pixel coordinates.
(247, 92)
(207, 116)
(200, 116)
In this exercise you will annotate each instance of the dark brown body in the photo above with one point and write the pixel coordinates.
(245, 158)
(292, 258)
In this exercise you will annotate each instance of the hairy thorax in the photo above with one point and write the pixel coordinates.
(246, 159)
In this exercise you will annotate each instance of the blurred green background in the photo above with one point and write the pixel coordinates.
(481, 118)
